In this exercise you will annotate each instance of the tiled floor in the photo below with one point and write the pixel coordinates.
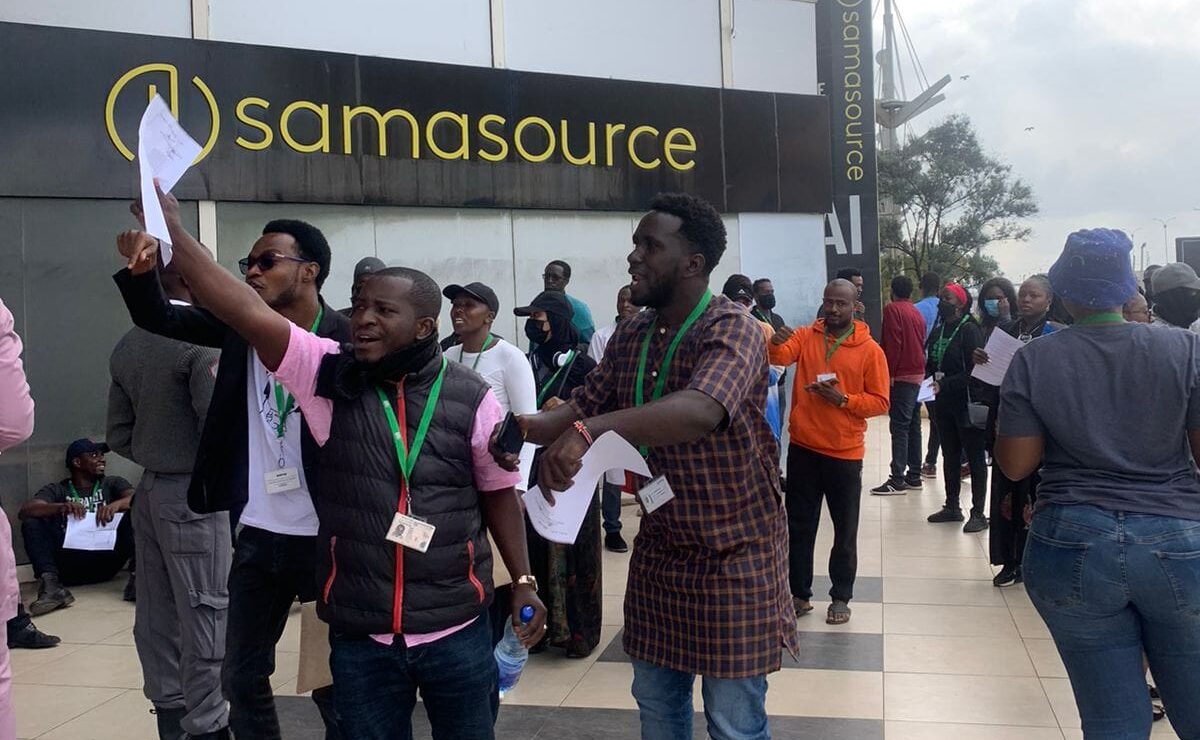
(933, 651)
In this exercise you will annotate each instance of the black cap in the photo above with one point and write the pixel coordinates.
(368, 265)
(81, 447)
(478, 291)
(549, 301)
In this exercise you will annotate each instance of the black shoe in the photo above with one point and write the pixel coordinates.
(130, 593)
(977, 523)
(915, 483)
(1009, 575)
(51, 595)
(929, 471)
(890, 488)
(614, 542)
(946, 515)
(31, 638)
(221, 734)
(168, 722)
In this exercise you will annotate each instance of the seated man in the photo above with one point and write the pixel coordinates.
(44, 526)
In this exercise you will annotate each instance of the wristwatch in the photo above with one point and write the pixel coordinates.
(528, 581)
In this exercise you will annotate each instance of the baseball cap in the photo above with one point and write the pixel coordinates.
(81, 447)
(368, 265)
(1175, 275)
(478, 291)
(550, 302)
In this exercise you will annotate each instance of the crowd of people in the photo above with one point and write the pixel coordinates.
(352, 458)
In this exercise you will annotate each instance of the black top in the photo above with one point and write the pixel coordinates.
(219, 479)
(957, 361)
(109, 489)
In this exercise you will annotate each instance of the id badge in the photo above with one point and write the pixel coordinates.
(282, 480)
(411, 532)
(826, 377)
(655, 493)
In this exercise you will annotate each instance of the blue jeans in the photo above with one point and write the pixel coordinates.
(377, 685)
(906, 431)
(735, 709)
(1111, 585)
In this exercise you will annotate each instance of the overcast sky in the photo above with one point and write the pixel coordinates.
(1112, 90)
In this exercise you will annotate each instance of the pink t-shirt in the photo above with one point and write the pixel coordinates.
(298, 373)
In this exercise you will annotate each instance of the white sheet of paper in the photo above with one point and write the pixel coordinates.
(1000, 349)
(165, 151)
(560, 523)
(926, 394)
(85, 534)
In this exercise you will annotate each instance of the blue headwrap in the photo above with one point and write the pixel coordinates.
(1094, 269)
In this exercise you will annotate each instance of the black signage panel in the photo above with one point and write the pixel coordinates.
(314, 127)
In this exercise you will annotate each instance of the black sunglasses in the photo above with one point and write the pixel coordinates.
(267, 261)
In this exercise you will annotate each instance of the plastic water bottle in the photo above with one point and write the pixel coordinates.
(511, 654)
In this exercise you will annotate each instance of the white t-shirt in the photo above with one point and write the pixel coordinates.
(507, 371)
(288, 512)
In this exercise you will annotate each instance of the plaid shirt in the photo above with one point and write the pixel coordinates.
(707, 589)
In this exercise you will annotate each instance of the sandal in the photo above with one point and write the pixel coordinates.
(801, 606)
(839, 613)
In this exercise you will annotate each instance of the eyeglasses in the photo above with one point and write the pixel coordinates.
(267, 261)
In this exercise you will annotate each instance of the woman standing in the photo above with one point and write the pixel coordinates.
(997, 298)
(1110, 411)
(571, 573)
(1012, 501)
(949, 359)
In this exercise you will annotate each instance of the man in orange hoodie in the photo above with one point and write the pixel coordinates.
(841, 381)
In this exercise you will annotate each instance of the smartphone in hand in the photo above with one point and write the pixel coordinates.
(510, 439)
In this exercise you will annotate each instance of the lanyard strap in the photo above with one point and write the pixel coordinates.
(942, 343)
(75, 494)
(664, 369)
(284, 403)
(486, 343)
(1111, 317)
(831, 348)
(550, 383)
(407, 458)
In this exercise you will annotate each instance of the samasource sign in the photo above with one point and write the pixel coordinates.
(304, 126)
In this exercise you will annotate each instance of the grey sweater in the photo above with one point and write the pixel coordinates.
(158, 399)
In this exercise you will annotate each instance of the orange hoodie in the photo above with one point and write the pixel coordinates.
(862, 372)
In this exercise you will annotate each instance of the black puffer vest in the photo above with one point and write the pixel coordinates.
(369, 585)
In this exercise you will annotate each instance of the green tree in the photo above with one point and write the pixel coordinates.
(949, 200)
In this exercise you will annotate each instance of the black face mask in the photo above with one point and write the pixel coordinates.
(352, 377)
(947, 310)
(767, 302)
(535, 332)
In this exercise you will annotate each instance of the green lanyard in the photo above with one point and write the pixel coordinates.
(550, 383)
(486, 343)
(831, 348)
(1111, 317)
(942, 343)
(407, 458)
(284, 403)
(664, 369)
(75, 494)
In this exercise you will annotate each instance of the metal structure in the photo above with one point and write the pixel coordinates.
(892, 110)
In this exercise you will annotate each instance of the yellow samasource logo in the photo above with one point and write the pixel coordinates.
(643, 145)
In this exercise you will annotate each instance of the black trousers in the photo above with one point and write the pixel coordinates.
(959, 438)
(44, 545)
(1006, 536)
(269, 572)
(812, 477)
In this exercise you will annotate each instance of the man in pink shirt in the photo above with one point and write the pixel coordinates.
(904, 345)
(16, 424)
(407, 483)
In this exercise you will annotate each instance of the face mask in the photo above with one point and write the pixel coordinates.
(946, 309)
(535, 332)
(992, 306)
(767, 302)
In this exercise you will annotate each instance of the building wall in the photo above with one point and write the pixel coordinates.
(56, 256)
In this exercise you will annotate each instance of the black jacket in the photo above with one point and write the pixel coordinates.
(957, 362)
(219, 481)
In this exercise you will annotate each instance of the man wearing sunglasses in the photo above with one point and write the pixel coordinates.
(257, 459)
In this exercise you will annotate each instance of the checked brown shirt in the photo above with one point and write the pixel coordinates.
(707, 589)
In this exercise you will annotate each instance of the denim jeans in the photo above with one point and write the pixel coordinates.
(906, 431)
(734, 708)
(610, 506)
(377, 685)
(1111, 585)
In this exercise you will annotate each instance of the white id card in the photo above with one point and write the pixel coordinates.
(411, 532)
(826, 377)
(655, 493)
(282, 480)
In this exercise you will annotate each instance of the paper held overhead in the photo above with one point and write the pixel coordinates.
(1000, 349)
(561, 522)
(165, 152)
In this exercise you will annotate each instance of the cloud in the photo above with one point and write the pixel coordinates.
(1110, 92)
